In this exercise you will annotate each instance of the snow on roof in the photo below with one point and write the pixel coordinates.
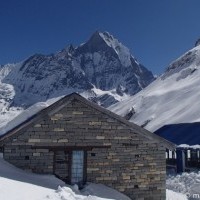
(29, 117)
(186, 146)
(26, 114)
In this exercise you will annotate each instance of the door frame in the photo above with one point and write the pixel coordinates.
(69, 152)
(66, 162)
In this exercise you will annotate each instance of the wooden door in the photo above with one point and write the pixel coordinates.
(61, 165)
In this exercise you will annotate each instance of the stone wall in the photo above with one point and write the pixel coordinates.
(130, 162)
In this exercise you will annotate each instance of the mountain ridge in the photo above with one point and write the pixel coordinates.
(171, 99)
(102, 69)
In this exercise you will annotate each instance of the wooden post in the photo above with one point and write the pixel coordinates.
(194, 158)
(180, 161)
(173, 158)
(194, 155)
(186, 157)
(173, 154)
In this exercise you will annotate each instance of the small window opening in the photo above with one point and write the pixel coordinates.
(26, 157)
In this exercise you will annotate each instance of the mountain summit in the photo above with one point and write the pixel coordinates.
(102, 69)
(104, 42)
(109, 65)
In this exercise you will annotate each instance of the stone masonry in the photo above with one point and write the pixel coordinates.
(130, 162)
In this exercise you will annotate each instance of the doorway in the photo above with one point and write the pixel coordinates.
(61, 165)
(71, 166)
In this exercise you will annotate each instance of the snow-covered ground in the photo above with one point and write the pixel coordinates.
(16, 184)
(171, 195)
(185, 183)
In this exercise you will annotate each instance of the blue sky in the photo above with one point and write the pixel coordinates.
(156, 31)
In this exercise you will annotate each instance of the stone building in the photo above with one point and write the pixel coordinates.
(79, 141)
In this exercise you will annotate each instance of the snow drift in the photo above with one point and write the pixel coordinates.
(16, 184)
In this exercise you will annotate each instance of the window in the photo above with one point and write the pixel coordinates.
(77, 168)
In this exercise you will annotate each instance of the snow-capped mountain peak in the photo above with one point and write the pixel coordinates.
(105, 41)
(122, 51)
(96, 43)
(102, 69)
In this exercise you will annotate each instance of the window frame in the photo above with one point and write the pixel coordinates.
(84, 166)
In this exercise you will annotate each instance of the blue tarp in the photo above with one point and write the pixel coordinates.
(185, 133)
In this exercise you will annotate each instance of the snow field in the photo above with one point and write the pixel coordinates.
(171, 99)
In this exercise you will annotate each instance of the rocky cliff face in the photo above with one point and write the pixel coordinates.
(102, 63)
(109, 65)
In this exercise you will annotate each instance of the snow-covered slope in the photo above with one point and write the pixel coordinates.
(172, 98)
